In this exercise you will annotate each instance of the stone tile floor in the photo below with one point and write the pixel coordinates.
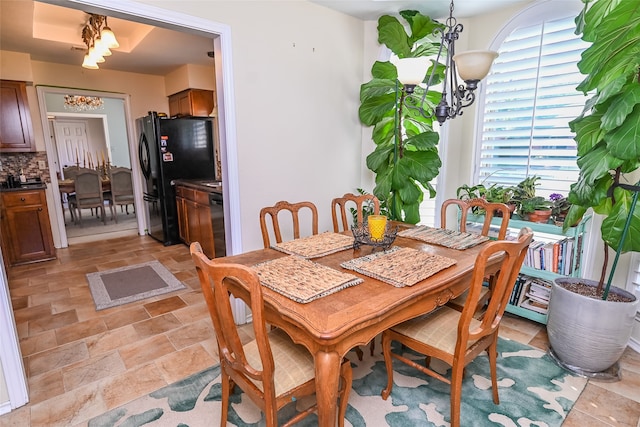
(81, 363)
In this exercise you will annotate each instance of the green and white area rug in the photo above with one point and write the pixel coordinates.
(534, 391)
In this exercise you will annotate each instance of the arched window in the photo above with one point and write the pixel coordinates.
(529, 99)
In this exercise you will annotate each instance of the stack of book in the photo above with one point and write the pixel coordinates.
(554, 256)
(531, 293)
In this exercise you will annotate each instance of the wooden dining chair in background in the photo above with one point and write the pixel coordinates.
(296, 211)
(272, 370)
(348, 209)
(490, 211)
(355, 205)
(88, 194)
(457, 337)
(121, 193)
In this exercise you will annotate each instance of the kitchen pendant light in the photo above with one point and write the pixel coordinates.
(99, 39)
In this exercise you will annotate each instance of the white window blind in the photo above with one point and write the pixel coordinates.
(530, 98)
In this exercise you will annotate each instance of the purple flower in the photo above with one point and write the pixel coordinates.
(556, 196)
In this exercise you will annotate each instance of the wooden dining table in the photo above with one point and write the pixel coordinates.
(332, 325)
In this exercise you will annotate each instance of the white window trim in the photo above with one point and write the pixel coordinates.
(545, 9)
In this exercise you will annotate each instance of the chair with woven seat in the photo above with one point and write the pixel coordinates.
(88, 193)
(341, 205)
(296, 210)
(355, 205)
(121, 193)
(272, 370)
(490, 211)
(457, 337)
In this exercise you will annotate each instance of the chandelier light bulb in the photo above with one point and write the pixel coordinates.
(89, 62)
(109, 38)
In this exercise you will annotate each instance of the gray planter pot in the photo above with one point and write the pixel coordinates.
(586, 333)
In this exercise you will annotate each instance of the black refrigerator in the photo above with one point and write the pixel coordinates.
(171, 149)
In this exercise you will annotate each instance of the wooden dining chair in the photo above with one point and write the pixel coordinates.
(88, 193)
(355, 205)
(457, 337)
(272, 370)
(490, 211)
(121, 193)
(294, 209)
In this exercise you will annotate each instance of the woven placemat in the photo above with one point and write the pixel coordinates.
(302, 280)
(443, 237)
(317, 245)
(399, 266)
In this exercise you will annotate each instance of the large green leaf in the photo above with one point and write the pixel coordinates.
(376, 88)
(374, 109)
(391, 33)
(379, 157)
(624, 142)
(613, 224)
(384, 70)
(424, 141)
(420, 165)
(616, 44)
(622, 105)
(383, 131)
(588, 132)
(597, 163)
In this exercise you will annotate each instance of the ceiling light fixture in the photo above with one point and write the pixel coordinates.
(99, 39)
(472, 66)
(83, 103)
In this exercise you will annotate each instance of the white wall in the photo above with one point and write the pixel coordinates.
(297, 73)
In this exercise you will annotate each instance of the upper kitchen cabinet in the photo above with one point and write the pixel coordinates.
(191, 102)
(16, 133)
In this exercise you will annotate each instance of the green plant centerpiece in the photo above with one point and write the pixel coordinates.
(406, 158)
(607, 134)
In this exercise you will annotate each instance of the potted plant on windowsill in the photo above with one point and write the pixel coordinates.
(535, 209)
(585, 315)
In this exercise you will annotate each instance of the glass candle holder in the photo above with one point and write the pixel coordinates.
(377, 225)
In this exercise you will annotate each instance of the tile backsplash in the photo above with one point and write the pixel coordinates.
(28, 162)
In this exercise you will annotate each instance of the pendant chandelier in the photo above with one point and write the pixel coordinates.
(78, 103)
(472, 66)
(99, 39)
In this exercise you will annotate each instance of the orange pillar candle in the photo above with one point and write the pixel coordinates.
(377, 225)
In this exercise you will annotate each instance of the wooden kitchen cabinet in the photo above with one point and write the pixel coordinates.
(194, 218)
(16, 132)
(26, 231)
(191, 102)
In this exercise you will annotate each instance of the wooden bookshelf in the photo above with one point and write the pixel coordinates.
(547, 232)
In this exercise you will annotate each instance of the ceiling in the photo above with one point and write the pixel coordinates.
(371, 10)
(52, 33)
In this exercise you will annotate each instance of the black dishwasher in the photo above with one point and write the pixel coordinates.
(217, 221)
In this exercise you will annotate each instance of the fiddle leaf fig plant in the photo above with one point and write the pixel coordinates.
(607, 132)
(406, 158)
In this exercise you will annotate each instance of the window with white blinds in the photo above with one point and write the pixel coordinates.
(529, 100)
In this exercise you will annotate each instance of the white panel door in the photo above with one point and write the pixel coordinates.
(72, 142)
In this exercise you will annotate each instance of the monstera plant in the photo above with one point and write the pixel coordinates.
(406, 158)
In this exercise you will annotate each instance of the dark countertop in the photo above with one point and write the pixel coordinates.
(208, 186)
(25, 187)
